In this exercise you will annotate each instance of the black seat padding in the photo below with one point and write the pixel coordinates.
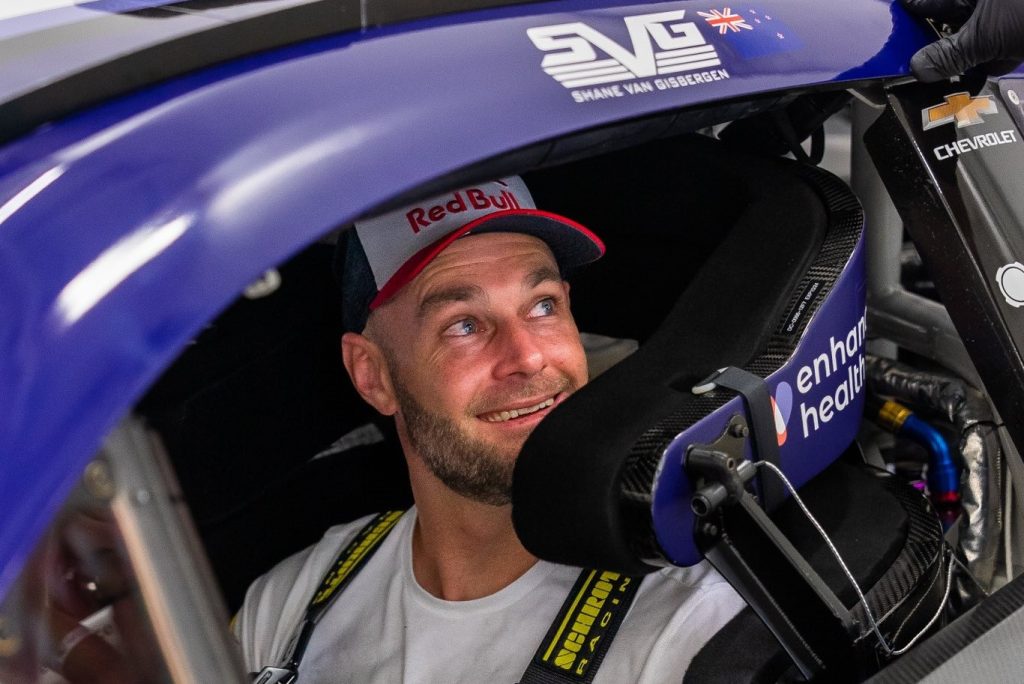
(725, 317)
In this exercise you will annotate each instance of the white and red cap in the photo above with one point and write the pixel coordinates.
(385, 253)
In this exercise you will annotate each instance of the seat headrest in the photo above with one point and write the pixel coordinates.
(782, 296)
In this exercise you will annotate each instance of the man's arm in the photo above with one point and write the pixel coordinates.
(991, 34)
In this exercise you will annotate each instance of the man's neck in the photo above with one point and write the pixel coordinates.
(463, 549)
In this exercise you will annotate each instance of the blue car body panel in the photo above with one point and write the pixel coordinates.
(817, 398)
(126, 226)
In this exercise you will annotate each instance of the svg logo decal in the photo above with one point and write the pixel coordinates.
(782, 407)
(661, 43)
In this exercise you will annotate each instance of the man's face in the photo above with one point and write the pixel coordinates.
(480, 346)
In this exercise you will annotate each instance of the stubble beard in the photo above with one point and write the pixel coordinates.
(476, 469)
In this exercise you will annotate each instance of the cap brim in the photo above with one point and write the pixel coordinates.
(571, 243)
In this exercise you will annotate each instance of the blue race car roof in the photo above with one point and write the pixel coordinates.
(61, 55)
(127, 225)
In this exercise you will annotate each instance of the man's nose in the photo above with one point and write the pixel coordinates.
(519, 351)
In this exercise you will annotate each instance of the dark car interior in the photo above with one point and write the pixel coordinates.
(272, 446)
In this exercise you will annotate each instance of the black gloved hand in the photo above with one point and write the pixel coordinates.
(992, 34)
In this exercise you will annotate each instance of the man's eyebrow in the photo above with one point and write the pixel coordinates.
(448, 295)
(541, 275)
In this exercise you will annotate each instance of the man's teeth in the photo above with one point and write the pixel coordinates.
(502, 416)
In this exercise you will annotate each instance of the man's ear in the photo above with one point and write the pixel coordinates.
(368, 369)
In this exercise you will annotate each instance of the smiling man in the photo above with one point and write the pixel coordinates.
(459, 327)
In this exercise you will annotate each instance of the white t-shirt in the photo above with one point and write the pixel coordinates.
(384, 627)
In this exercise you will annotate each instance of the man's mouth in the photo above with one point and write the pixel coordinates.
(503, 416)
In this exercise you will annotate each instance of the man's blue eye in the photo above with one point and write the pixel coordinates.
(466, 326)
(544, 307)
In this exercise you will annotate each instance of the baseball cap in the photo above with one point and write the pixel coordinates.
(380, 255)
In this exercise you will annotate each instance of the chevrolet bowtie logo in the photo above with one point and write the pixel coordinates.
(963, 108)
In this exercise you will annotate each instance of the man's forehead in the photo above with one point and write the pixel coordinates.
(465, 269)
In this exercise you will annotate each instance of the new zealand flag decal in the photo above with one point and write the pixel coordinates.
(750, 32)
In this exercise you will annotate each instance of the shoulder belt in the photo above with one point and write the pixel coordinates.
(572, 649)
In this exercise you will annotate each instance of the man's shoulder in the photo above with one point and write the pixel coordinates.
(700, 576)
(303, 570)
(676, 612)
(325, 551)
(276, 601)
(683, 591)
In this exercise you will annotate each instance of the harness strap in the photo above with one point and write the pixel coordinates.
(762, 422)
(350, 561)
(578, 639)
(571, 652)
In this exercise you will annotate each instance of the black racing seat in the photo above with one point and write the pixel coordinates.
(607, 479)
